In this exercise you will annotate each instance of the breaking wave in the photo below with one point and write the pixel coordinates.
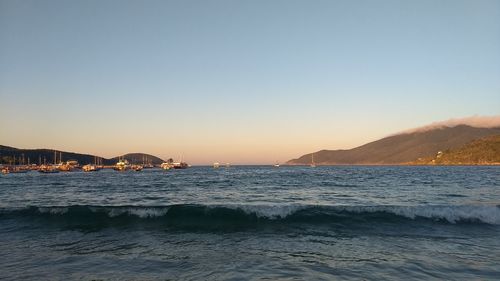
(244, 214)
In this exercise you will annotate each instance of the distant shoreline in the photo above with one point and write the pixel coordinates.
(402, 164)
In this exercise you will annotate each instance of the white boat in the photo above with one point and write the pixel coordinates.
(90, 168)
(180, 165)
(122, 165)
(68, 166)
(216, 165)
(137, 168)
(166, 166)
(48, 169)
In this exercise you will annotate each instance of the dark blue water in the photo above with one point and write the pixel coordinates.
(241, 223)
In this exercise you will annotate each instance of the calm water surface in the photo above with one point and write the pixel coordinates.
(252, 223)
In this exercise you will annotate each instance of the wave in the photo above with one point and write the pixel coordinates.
(232, 214)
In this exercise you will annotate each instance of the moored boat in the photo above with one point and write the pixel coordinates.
(180, 165)
(48, 169)
(90, 168)
(69, 166)
(14, 170)
(166, 166)
(312, 165)
(122, 165)
(137, 168)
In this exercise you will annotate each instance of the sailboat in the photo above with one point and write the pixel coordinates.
(122, 165)
(15, 169)
(50, 169)
(180, 165)
(91, 167)
(312, 161)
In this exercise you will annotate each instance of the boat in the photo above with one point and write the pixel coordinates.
(170, 164)
(98, 163)
(14, 170)
(312, 165)
(146, 163)
(180, 165)
(48, 169)
(19, 168)
(137, 168)
(216, 165)
(277, 165)
(166, 165)
(90, 168)
(122, 165)
(69, 166)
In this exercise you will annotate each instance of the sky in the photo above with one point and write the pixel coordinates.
(245, 82)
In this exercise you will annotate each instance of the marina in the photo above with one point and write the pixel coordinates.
(122, 166)
(18, 163)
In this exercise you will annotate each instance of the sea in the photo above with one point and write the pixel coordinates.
(253, 223)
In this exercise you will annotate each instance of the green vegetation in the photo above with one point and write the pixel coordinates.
(484, 151)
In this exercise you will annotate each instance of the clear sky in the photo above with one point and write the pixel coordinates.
(240, 81)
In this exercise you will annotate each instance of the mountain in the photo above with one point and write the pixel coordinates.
(482, 151)
(140, 158)
(401, 148)
(7, 155)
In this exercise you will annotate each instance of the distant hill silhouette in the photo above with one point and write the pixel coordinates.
(35, 156)
(400, 148)
(482, 151)
(140, 158)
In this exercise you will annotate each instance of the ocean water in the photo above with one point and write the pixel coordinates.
(252, 223)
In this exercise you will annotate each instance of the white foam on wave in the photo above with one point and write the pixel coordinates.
(142, 212)
(453, 214)
(267, 211)
(485, 213)
(148, 212)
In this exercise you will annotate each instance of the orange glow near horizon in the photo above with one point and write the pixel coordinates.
(242, 145)
(197, 151)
